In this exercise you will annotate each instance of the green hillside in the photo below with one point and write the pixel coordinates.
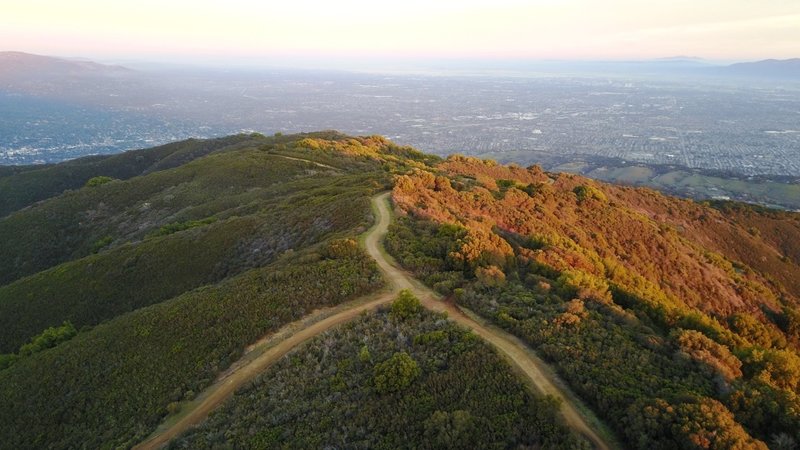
(25, 185)
(130, 283)
(110, 387)
(109, 249)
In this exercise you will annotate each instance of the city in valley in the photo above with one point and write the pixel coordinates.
(670, 129)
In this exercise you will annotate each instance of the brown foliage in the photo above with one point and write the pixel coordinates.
(704, 350)
(649, 244)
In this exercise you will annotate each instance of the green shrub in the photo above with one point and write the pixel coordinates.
(49, 339)
(97, 181)
(7, 360)
(181, 226)
(396, 373)
(405, 305)
(584, 192)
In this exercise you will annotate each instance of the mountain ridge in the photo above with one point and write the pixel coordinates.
(591, 276)
(14, 63)
(767, 68)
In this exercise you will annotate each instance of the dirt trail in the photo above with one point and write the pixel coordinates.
(244, 370)
(318, 164)
(516, 351)
(520, 355)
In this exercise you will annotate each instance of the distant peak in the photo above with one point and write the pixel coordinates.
(20, 63)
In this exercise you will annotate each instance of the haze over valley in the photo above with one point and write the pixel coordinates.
(674, 114)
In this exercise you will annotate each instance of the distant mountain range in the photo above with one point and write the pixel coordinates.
(16, 64)
(19, 66)
(768, 68)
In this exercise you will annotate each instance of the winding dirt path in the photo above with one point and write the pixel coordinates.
(524, 360)
(318, 164)
(536, 370)
(249, 367)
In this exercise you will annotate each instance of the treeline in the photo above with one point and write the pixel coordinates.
(399, 378)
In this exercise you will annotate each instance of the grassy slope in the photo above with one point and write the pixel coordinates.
(99, 287)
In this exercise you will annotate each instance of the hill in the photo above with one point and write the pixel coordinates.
(199, 257)
(130, 283)
(703, 297)
(19, 66)
(21, 186)
(769, 68)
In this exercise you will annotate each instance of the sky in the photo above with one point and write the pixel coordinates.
(204, 30)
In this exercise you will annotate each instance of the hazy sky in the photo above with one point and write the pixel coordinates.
(561, 29)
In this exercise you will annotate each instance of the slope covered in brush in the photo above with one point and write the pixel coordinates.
(399, 378)
(109, 249)
(110, 387)
(21, 186)
(676, 321)
(196, 263)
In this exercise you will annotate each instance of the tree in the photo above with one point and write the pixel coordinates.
(405, 305)
(396, 373)
(49, 338)
(491, 276)
(97, 181)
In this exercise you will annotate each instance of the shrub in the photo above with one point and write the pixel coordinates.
(584, 192)
(405, 305)
(396, 373)
(49, 338)
(97, 181)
